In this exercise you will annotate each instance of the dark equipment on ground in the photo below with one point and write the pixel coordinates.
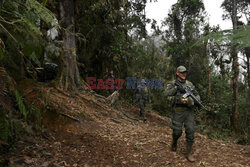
(49, 72)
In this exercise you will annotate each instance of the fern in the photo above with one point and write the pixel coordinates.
(239, 37)
(242, 36)
(46, 15)
(22, 16)
(21, 105)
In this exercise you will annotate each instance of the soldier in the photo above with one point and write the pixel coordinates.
(141, 95)
(183, 110)
(111, 76)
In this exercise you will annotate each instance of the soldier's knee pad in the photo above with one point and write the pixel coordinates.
(190, 129)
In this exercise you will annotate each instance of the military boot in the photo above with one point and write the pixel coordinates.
(189, 154)
(174, 144)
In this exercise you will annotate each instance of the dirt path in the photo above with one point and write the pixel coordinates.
(108, 137)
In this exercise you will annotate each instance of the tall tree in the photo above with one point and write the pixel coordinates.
(247, 62)
(235, 69)
(184, 23)
(106, 29)
(234, 10)
(69, 77)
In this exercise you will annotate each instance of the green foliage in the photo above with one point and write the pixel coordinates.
(184, 23)
(111, 35)
(20, 18)
(160, 104)
(33, 52)
(147, 60)
(44, 14)
(1, 53)
(244, 116)
(20, 33)
(103, 31)
(218, 120)
(20, 104)
(242, 6)
(4, 130)
(205, 54)
(240, 37)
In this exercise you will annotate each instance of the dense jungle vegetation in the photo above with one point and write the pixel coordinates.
(87, 38)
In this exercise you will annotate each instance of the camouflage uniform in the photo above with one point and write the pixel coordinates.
(183, 110)
(141, 95)
(110, 76)
(183, 113)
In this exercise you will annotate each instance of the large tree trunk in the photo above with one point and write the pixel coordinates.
(209, 85)
(235, 69)
(248, 71)
(247, 51)
(70, 78)
(235, 108)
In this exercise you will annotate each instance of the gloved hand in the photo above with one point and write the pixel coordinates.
(181, 89)
(184, 100)
(187, 101)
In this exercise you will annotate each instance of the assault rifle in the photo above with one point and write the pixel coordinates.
(188, 92)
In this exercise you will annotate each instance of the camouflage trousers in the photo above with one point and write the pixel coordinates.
(142, 104)
(183, 115)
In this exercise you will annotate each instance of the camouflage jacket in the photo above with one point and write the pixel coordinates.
(173, 94)
(142, 93)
